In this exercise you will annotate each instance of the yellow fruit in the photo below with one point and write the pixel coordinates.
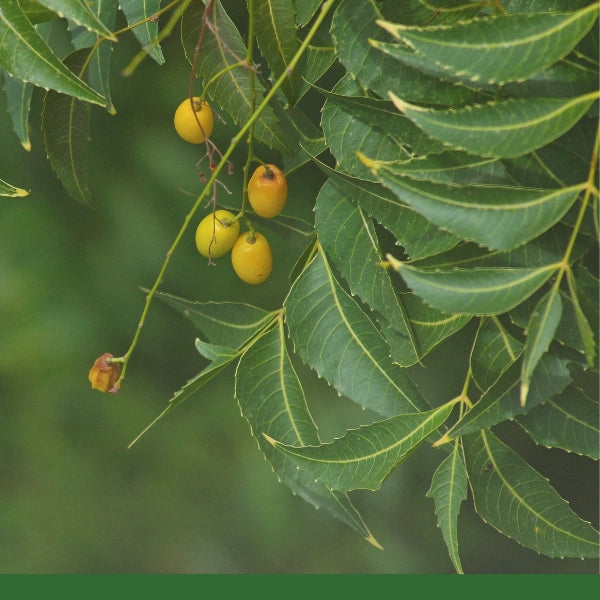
(251, 258)
(216, 233)
(267, 190)
(194, 124)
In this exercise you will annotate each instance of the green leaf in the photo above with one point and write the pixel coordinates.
(354, 124)
(414, 233)
(10, 190)
(272, 400)
(66, 129)
(275, 29)
(430, 328)
(35, 12)
(566, 333)
(348, 237)
(543, 250)
(562, 163)
(138, 13)
(18, 94)
(476, 291)
(24, 54)
(562, 80)
(222, 358)
(317, 61)
(568, 421)
(305, 10)
(228, 324)
(335, 337)
(520, 503)
(502, 402)
(494, 351)
(304, 138)
(449, 490)
(500, 48)
(500, 217)
(411, 59)
(586, 333)
(218, 63)
(352, 26)
(540, 333)
(81, 13)
(452, 167)
(99, 67)
(504, 129)
(364, 457)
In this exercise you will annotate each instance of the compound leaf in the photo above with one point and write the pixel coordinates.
(272, 400)
(334, 336)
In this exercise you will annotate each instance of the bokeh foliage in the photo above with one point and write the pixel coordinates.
(467, 278)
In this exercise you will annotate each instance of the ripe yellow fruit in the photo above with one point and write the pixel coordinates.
(216, 233)
(194, 120)
(267, 190)
(252, 258)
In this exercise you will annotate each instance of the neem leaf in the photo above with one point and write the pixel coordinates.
(66, 129)
(568, 421)
(80, 12)
(272, 400)
(476, 291)
(520, 503)
(352, 27)
(145, 29)
(364, 457)
(24, 54)
(493, 352)
(228, 324)
(500, 217)
(335, 337)
(276, 36)
(499, 48)
(449, 490)
(18, 94)
(502, 401)
(10, 190)
(504, 129)
(540, 332)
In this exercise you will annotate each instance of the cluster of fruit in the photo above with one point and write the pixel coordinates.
(219, 232)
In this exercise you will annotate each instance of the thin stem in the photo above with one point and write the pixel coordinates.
(325, 8)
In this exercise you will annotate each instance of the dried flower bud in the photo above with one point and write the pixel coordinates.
(104, 374)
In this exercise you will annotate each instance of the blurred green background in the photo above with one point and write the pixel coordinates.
(195, 494)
